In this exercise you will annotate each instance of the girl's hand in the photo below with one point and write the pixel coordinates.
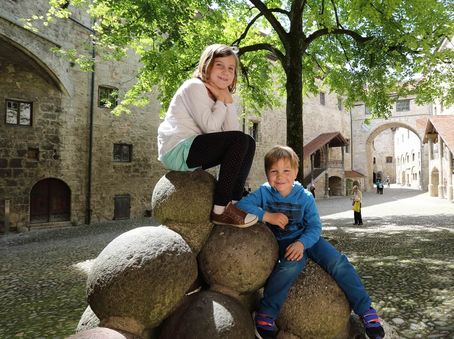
(278, 219)
(220, 94)
(294, 251)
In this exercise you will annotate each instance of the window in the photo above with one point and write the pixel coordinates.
(389, 160)
(122, 153)
(403, 105)
(375, 160)
(107, 97)
(413, 156)
(347, 147)
(322, 98)
(254, 130)
(18, 112)
(339, 103)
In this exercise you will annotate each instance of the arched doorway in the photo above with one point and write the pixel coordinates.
(50, 201)
(335, 186)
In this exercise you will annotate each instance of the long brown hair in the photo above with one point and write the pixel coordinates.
(207, 59)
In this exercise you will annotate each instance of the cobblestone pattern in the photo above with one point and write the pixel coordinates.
(404, 253)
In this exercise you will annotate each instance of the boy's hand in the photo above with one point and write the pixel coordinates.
(278, 219)
(294, 251)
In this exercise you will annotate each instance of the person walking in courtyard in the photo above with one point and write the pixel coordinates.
(201, 130)
(290, 212)
(379, 186)
(357, 200)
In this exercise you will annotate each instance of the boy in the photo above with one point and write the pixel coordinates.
(290, 212)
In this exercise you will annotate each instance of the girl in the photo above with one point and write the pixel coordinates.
(357, 197)
(201, 130)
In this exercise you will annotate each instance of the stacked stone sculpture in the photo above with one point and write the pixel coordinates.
(188, 279)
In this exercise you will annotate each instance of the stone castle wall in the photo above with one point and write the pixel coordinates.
(60, 94)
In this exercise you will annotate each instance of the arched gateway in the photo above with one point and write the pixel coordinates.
(363, 135)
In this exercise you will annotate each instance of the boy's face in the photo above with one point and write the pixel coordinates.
(281, 176)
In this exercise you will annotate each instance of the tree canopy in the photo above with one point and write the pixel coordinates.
(373, 51)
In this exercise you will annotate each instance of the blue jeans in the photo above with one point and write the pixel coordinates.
(285, 273)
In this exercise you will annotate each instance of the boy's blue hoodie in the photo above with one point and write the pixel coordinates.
(299, 206)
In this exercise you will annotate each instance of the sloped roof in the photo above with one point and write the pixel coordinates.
(333, 139)
(353, 174)
(443, 125)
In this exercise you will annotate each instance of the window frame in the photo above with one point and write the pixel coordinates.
(254, 130)
(111, 89)
(406, 108)
(18, 113)
(122, 160)
(322, 99)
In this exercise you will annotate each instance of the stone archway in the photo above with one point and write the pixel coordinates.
(41, 58)
(335, 186)
(369, 144)
(50, 201)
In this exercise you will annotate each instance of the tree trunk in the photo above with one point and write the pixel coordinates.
(294, 110)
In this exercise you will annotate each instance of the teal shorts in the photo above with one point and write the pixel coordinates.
(175, 159)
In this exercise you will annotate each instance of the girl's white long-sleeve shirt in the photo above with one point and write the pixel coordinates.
(192, 112)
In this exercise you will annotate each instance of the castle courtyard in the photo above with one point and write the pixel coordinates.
(404, 253)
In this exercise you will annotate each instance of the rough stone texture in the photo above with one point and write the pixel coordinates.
(315, 307)
(88, 320)
(183, 197)
(60, 93)
(209, 315)
(194, 234)
(139, 277)
(103, 333)
(239, 259)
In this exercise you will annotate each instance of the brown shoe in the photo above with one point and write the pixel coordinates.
(234, 217)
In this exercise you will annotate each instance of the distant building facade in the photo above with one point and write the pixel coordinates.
(64, 158)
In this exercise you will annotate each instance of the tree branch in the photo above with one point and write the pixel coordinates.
(251, 23)
(262, 47)
(338, 31)
(268, 14)
(336, 14)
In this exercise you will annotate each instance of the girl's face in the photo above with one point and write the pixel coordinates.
(222, 72)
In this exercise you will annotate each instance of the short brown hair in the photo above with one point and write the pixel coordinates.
(281, 152)
(207, 59)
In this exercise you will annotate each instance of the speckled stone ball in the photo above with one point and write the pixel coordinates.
(183, 197)
(315, 306)
(88, 320)
(194, 234)
(139, 278)
(209, 315)
(240, 259)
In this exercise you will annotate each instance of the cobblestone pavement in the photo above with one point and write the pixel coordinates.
(404, 253)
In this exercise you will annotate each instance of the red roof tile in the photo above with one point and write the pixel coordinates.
(443, 125)
(334, 139)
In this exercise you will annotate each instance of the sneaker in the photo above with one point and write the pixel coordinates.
(265, 328)
(372, 325)
(234, 217)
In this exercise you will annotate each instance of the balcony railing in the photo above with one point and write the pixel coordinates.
(335, 164)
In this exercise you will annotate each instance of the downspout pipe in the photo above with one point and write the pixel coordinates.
(88, 210)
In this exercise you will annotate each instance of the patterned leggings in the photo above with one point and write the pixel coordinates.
(234, 151)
